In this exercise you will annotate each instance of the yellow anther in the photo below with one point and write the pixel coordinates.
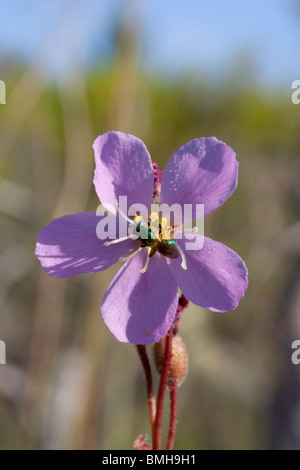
(164, 222)
(166, 233)
(138, 219)
(153, 216)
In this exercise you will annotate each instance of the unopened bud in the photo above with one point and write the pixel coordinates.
(179, 360)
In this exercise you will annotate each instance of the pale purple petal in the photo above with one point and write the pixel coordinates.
(123, 168)
(204, 171)
(216, 277)
(69, 245)
(140, 308)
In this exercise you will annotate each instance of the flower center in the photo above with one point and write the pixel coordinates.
(154, 236)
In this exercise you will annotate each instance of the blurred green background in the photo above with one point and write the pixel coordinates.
(68, 384)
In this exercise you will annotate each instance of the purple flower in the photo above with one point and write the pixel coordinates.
(139, 307)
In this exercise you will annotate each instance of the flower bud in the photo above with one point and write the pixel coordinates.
(179, 360)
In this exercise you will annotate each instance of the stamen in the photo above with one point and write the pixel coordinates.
(183, 229)
(138, 219)
(183, 258)
(118, 240)
(142, 271)
(166, 233)
(153, 216)
(190, 230)
(164, 222)
(123, 214)
(131, 255)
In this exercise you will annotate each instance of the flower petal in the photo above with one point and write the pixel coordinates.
(204, 171)
(140, 308)
(69, 245)
(216, 277)
(123, 168)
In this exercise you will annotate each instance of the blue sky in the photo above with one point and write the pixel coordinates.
(210, 36)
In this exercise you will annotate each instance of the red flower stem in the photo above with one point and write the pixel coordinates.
(157, 435)
(147, 369)
(173, 416)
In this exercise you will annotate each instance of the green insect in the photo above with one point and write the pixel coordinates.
(150, 238)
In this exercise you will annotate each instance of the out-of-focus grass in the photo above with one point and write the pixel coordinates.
(68, 383)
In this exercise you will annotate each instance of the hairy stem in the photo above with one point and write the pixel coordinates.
(157, 435)
(147, 369)
(173, 416)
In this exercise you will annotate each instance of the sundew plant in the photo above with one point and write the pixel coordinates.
(167, 262)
